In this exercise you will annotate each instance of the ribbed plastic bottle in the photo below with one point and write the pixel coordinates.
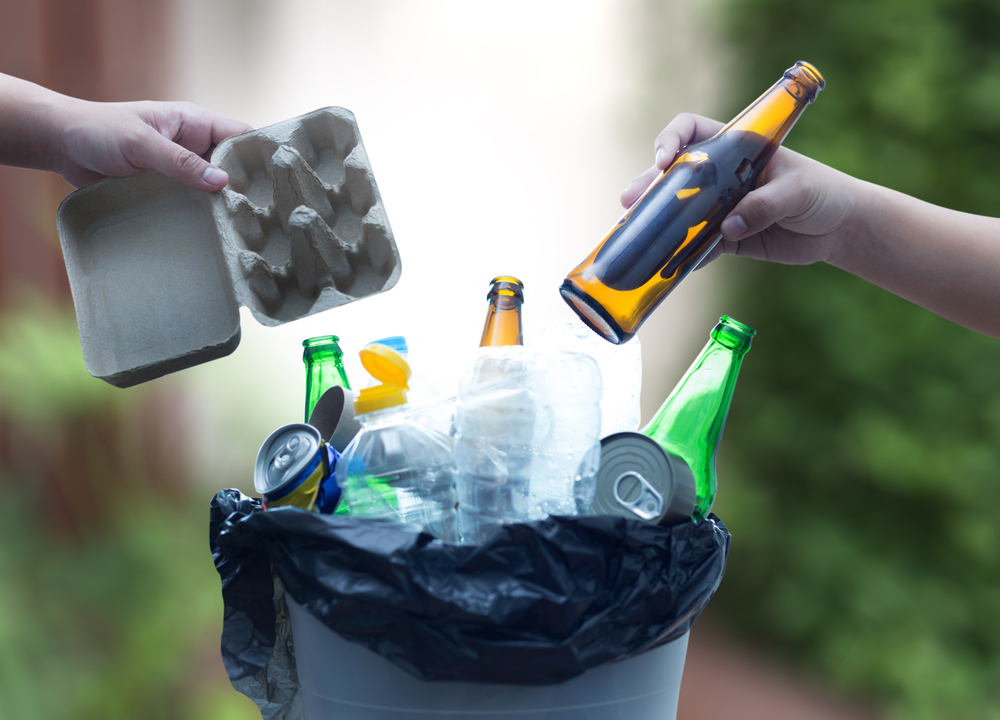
(690, 422)
(395, 467)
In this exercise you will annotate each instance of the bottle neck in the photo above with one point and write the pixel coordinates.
(692, 418)
(503, 317)
(319, 351)
(503, 324)
(774, 113)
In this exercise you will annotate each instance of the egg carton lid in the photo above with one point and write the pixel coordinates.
(158, 271)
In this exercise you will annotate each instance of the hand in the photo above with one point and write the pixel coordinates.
(98, 140)
(797, 215)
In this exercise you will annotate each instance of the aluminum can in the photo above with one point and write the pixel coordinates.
(291, 465)
(638, 479)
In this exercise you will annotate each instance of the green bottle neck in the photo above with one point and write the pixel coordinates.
(691, 420)
(321, 350)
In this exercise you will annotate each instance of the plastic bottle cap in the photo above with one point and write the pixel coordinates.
(389, 367)
(396, 342)
(386, 365)
(379, 397)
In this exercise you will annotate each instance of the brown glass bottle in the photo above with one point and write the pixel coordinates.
(503, 318)
(675, 223)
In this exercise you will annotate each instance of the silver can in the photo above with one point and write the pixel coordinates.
(638, 479)
(290, 467)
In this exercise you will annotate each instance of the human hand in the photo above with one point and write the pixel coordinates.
(97, 140)
(798, 214)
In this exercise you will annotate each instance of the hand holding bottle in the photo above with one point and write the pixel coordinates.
(797, 215)
(803, 212)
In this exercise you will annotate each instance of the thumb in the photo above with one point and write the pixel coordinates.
(760, 209)
(179, 163)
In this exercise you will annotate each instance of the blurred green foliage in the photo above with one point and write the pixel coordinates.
(110, 608)
(861, 469)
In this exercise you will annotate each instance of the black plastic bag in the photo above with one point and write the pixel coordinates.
(537, 603)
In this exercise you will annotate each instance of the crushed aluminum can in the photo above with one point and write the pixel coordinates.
(291, 466)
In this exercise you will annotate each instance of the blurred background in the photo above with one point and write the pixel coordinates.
(859, 468)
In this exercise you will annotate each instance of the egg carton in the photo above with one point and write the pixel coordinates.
(159, 271)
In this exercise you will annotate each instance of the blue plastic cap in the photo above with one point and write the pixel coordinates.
(396, 342)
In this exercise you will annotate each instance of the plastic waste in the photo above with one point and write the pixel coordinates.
(621, 368)
(420, 391)
(396, 468)
(527, 428)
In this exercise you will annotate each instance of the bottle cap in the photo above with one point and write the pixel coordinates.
(396, 342)
(387, 366)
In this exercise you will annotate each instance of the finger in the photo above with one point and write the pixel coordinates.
(223, 127)
(638, 186)
(196, 128)
(763, 207)
(714, 253)
(177, 162)
(682, 131)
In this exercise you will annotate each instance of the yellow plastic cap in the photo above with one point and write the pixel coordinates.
(379, 397)
(386, 365)
(389, 367)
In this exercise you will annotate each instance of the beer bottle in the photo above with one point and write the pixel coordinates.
(690, 422)
(675, 223)
(503, 317)
(324, 368)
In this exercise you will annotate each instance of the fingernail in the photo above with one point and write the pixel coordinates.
(661, 156)
(733, 227)
(214, 176)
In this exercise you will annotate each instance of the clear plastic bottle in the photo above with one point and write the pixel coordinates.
(527, 438)
(396, 467)
(494, 435)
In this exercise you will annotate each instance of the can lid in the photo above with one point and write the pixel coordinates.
(286, 453)
(638, 479)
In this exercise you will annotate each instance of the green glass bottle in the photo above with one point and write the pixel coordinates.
(324, 368)
(690, 422)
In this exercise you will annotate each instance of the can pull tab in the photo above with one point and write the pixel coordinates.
(649, 503)
(286, 456)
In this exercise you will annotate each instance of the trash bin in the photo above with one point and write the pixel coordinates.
(568, 617)
(341, 679)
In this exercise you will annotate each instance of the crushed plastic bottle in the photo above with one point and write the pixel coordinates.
(396, 467)
(621, 368)
(527, 427)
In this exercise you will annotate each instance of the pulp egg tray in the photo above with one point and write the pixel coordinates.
(158, 271)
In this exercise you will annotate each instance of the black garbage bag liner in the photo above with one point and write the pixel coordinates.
(536, 603)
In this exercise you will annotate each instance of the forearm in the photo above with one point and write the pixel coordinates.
(945, 261)
(29, 124)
